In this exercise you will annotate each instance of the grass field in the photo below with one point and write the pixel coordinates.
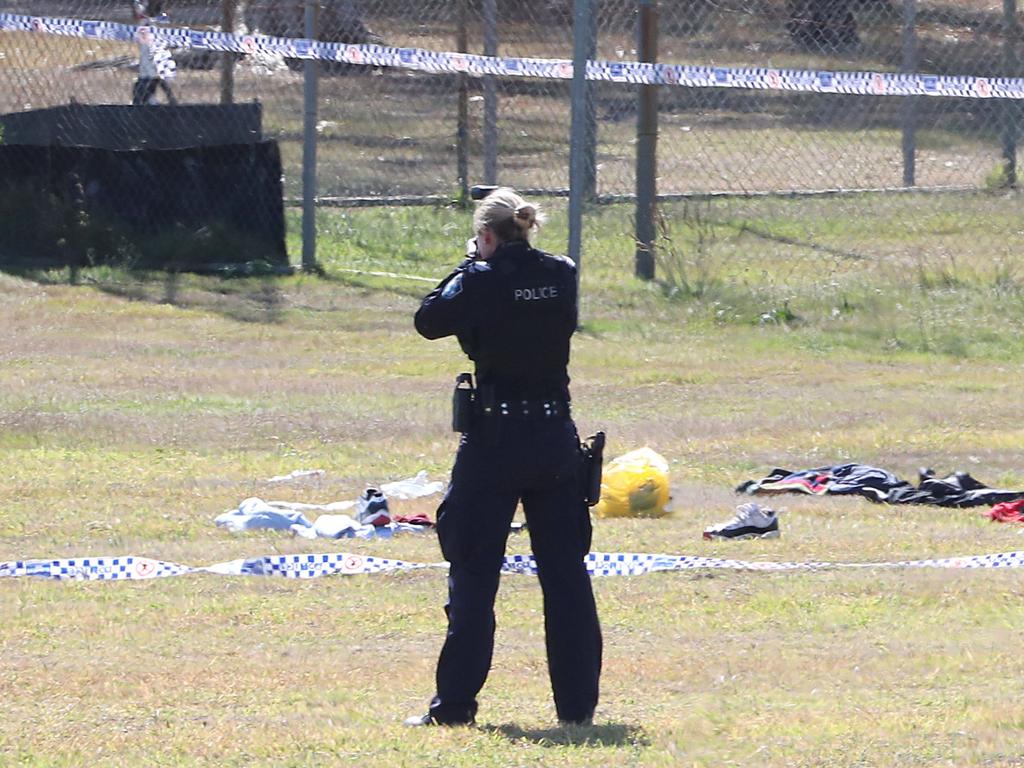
(797, 333)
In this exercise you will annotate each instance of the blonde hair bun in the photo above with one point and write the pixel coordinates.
(526, 214)
(507, 214)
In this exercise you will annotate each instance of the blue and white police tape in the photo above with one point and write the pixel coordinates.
(689, 76)
(129, 567)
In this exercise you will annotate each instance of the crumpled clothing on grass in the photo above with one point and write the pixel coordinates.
(255, 513)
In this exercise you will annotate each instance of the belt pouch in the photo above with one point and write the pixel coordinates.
(462, 403)
(593, 460)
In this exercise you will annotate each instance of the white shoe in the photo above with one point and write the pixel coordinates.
(752, 521)
(372, 508)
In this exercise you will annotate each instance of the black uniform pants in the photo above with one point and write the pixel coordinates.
(500, 462)
(144, 90)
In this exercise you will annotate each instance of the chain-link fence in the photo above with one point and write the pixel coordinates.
(388, 131)
(743, 141)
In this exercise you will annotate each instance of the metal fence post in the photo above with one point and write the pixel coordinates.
(309, 146)
(578, 130)
(590, 111)
(462, 120)
(490, 95)
(227, 62)
(1011, 109)
(646, 145)
(909, 65)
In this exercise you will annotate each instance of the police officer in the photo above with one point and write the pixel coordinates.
(513, 309)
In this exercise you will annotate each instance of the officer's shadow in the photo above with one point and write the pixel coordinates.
(601, 735)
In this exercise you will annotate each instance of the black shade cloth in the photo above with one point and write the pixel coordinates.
(194, 209)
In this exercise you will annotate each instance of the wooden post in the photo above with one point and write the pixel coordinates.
(579, 179)
(1011, 108)
(490, 95)
(227, 61)
(311, 66)
(462, 127)
(909, 65)
(646, 145)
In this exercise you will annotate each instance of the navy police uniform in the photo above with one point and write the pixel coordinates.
(514, 315)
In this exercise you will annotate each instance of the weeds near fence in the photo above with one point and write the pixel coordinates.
(698, 264)
(689, 264)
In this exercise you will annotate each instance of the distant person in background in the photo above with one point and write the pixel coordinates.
(156, 66)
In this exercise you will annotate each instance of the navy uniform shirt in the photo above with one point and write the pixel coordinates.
(513, 315)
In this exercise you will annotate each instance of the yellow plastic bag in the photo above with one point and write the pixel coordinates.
(634, 485)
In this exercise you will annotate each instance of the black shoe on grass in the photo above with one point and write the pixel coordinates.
(428, 720)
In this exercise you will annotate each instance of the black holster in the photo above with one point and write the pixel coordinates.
(463, 403)
(592, 452)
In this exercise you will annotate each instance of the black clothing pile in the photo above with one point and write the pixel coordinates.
(956, 490)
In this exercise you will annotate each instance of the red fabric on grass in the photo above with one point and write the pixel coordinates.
(1007, 512)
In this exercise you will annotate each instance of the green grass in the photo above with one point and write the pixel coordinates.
(879, 330)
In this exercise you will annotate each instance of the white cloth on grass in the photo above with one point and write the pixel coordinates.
(255, 513)
(412, 487)
(298, 474)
